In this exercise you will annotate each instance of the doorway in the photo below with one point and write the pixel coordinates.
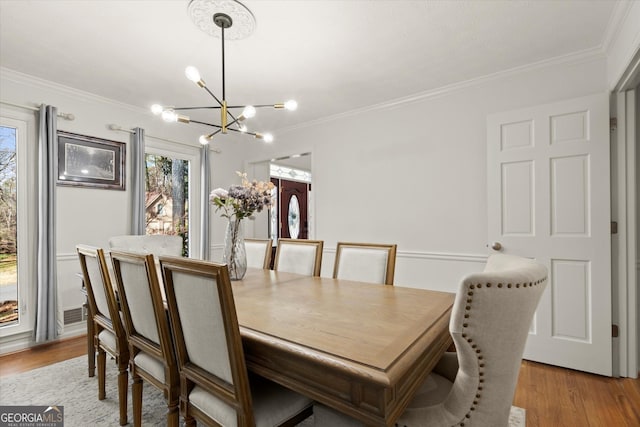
(291, 217)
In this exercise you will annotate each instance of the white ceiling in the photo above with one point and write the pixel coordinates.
(331, 56)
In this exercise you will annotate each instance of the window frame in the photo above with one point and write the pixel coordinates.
(192, 155)
(24, 123)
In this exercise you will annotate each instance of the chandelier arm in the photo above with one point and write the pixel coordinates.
(206, 124)
(239, 131)
(214, 97)
(197, 108)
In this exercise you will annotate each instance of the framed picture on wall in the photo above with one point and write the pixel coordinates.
(85, 161)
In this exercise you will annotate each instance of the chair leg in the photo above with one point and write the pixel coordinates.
(136, 397)
(123, 387)
(189, 421)
(173, 416)
(101, 373)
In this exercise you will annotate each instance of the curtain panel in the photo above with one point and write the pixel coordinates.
(46, 289)
(138, 226)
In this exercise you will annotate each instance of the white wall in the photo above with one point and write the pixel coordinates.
(415, 173)
(91, 216)
(412, 173)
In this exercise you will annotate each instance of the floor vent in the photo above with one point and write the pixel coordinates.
(74, 315)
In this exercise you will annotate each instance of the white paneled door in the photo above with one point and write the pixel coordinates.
(549, 199)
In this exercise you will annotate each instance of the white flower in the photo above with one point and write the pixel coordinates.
(219, 193)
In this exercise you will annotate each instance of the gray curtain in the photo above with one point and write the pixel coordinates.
(46, 292)
(205, 185)
(138, 225)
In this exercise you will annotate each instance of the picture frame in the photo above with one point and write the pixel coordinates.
(86, 161)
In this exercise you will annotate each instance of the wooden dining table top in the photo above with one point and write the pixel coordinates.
(361, 348)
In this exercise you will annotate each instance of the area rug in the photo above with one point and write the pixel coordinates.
(67, 384)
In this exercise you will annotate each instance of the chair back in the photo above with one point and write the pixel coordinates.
(490, 323)
(207, 337)
(157, 244)
(299, 256)
(100, 292)
(365, 262)
(142, 306)
(258, 252)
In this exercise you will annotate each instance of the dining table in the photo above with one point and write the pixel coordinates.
(362, 349)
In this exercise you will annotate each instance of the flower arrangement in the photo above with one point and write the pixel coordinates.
(241, 201)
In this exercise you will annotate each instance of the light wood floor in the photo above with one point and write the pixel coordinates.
(552, 396)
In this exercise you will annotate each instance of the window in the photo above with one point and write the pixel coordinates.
(14, 218)
(167, 196)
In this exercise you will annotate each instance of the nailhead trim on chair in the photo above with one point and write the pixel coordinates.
(479, 357)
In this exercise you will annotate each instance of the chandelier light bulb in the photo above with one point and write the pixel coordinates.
(169, 116)
(192, 74)
(291, 105)
(249, 111)
(267, 137)
(204, 140)
(243, 128)
(156, 109)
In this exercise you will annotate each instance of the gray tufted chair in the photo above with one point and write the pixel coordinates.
(489, 325)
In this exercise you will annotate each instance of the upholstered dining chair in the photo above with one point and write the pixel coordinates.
(215, 388)
(299, 256)
(157, 244)
(490, 322)
(110, 336)
(365, 262)
(152, 357)
(258, 252)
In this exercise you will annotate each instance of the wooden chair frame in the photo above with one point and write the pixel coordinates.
(391, 257)
(317, 243)
(162, 352)
(236, 395)
(111, 323)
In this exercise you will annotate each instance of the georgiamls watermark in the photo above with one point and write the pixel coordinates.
(31, 416)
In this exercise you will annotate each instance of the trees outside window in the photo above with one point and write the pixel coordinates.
(9, 313)
(167, 197)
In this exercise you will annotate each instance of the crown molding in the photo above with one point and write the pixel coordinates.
(617, 19)
(37, 82)
(575, 58)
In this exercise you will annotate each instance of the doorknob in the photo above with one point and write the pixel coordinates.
(496, 246)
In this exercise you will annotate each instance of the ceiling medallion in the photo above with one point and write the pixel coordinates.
(201, 12)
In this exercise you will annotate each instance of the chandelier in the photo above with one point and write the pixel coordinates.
(221, 13)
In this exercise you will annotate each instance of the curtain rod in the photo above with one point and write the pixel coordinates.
(66, 116)
(121, 129)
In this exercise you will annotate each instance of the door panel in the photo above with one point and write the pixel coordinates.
(293, 209)
(549, 198)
